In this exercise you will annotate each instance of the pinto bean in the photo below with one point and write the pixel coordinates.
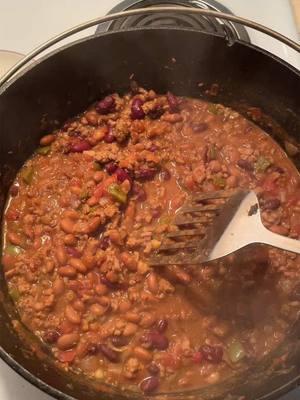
(89, 261)
(94, 224)
(101, 289)
(78, 265)
(124, 306)
(104, 301)
(73, 214)
(60, 254)
(98, 176)
(215, 166)
(112, 276)
(67, 271)
(49, 266)
(58, 287)
(129, 215)
(97, 310)
(78, 305)
(67, 341)
(90, 226)
(280, 229)
(14, 238)
(232, 181)
(47, 139)
(115, 237)
(70, 240)
(82, 349)
(147, 320)
(100, 132)
(92, 117)
(132, 317)
(172, 118)
(152, 282)
(72, 315)
(67, 225)
(182, 276)
(129, 261)
(130, 329)
(142, 354)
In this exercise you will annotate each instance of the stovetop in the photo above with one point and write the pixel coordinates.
(24, 25)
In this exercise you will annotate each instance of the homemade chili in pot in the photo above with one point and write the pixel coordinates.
(92, 204)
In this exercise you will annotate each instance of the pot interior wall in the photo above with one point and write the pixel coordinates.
(67, 81)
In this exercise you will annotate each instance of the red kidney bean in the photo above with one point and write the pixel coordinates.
(107, 105)
(104, 243)
(245, 164)
(122, 175)
(92, 349)
(156, 213)
(153, 148)
(162, 325)
(277, 168)
(197, 357)
(145, 173)
(173, 102)
(155, 113)
(14, 190)
(109, 353)
(74, 134)
(109, 137)
(111, 167)
(51, 336)
(271, 204)
(154, 369)
(155, 340)
(199, 127)
(213, 354)
(78, 146)
(165, 175)
(73, 252)
(119, 341)
(136, 109)
(111, 285)
(139, 192)
(149, 385)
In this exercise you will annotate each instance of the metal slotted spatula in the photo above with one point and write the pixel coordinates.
(213, 225)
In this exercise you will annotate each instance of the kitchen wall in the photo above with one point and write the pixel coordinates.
(296, 8)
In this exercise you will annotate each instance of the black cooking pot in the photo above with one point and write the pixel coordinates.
(65, 82)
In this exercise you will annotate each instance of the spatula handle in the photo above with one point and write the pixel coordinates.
(282, 242)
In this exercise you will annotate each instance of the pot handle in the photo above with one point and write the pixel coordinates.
(153, 10)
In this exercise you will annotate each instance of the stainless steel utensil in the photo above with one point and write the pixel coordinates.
(213, 225)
